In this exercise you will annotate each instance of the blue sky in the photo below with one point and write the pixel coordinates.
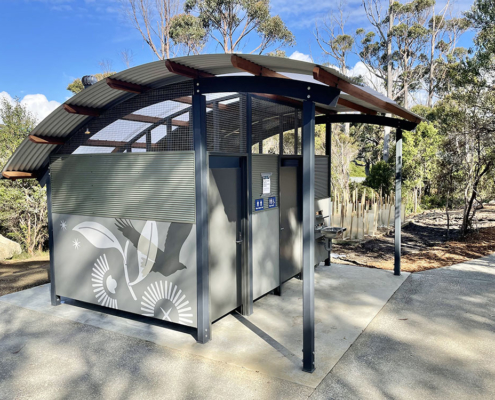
(45, 44)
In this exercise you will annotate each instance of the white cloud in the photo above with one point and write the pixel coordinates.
(37, 104)
(369, 78)
(301, 56)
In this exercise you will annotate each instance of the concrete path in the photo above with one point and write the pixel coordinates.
(435, 338)
(270, 340)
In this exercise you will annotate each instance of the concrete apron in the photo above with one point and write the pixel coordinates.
(347, 298)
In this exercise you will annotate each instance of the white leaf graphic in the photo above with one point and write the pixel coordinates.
(99, 236)
(147, 250)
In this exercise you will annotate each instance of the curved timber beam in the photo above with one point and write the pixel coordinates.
(259, 70)
(366, 119)
(332, 80)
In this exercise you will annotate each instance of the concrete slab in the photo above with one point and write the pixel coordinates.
(435, 339)
(270, 341)
(46, 357)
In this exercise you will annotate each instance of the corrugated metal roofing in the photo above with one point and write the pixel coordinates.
(31, 157)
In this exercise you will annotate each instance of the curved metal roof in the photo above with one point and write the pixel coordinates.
(31, 157)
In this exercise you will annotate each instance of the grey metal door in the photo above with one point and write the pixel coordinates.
(225, 240)
(290, 223)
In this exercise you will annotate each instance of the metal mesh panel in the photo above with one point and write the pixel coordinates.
(269, 120)
(226, 122)
(157, 120)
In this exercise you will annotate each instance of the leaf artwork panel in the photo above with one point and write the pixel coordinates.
(99, 236)
(147, 250)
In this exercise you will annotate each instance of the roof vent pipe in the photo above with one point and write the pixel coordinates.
(88, 80)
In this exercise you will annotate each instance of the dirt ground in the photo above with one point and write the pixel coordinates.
(424, 243)
(16, 275)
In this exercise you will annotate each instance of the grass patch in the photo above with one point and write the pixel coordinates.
(26, 256)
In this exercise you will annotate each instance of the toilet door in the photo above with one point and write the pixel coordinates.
(225, 239)
(290, 220)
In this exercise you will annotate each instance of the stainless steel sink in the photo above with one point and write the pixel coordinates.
(331, 232)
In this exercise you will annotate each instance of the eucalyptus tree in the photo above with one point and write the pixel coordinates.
(332, 38)
(153, 20)
(230, 22)
(188, 32)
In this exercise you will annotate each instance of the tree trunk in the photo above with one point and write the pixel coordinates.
(386, 130)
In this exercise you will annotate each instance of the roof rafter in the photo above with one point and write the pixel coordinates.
(126, 86)
(332, 80)
(81, 110)
(13, 175)
(259, 70)
(46, 140)
(153, 120)
(188, 72)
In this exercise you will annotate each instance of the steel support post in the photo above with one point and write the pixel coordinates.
(328, 152)
(55, 300)
(281, 135)
(296, 133)
(216, 126)
(398, 199)
(247, 282)
(148, 141)
(308, 211)
(201, 171)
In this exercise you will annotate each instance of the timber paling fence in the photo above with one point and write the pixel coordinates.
(364, 217)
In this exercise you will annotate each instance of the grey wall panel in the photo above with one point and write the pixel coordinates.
(321, 177)
(264, 163)
(266, 271)
(156, 186)
(143, 267)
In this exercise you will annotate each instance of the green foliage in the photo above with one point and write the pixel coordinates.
(357, 171)
(23, 215)
(228, 22)
(431, 202)
(17, 123)
(419, 155)
(76, 85)
(187, 30)
(381, 177)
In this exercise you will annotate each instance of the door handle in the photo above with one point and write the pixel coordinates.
(282, 229)
(238, 241)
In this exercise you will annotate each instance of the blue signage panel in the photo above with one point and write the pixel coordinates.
(272, 202)
(259, 205)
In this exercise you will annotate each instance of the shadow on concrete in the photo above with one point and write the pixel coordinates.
(434, 339)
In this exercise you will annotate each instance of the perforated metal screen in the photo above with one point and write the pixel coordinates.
(158, 120)
(161, 120)
(271, 119)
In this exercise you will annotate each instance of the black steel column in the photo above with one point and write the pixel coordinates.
(148, 141)
(308, 211)
(281, 135)
(55, 300)
(216, 126)
(247, 282)
(328, 152)
(201, 171)
(296, 133)
(398, 199)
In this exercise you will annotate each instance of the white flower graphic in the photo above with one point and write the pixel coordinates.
(76, 243)
(165, 294)
(63, 225)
